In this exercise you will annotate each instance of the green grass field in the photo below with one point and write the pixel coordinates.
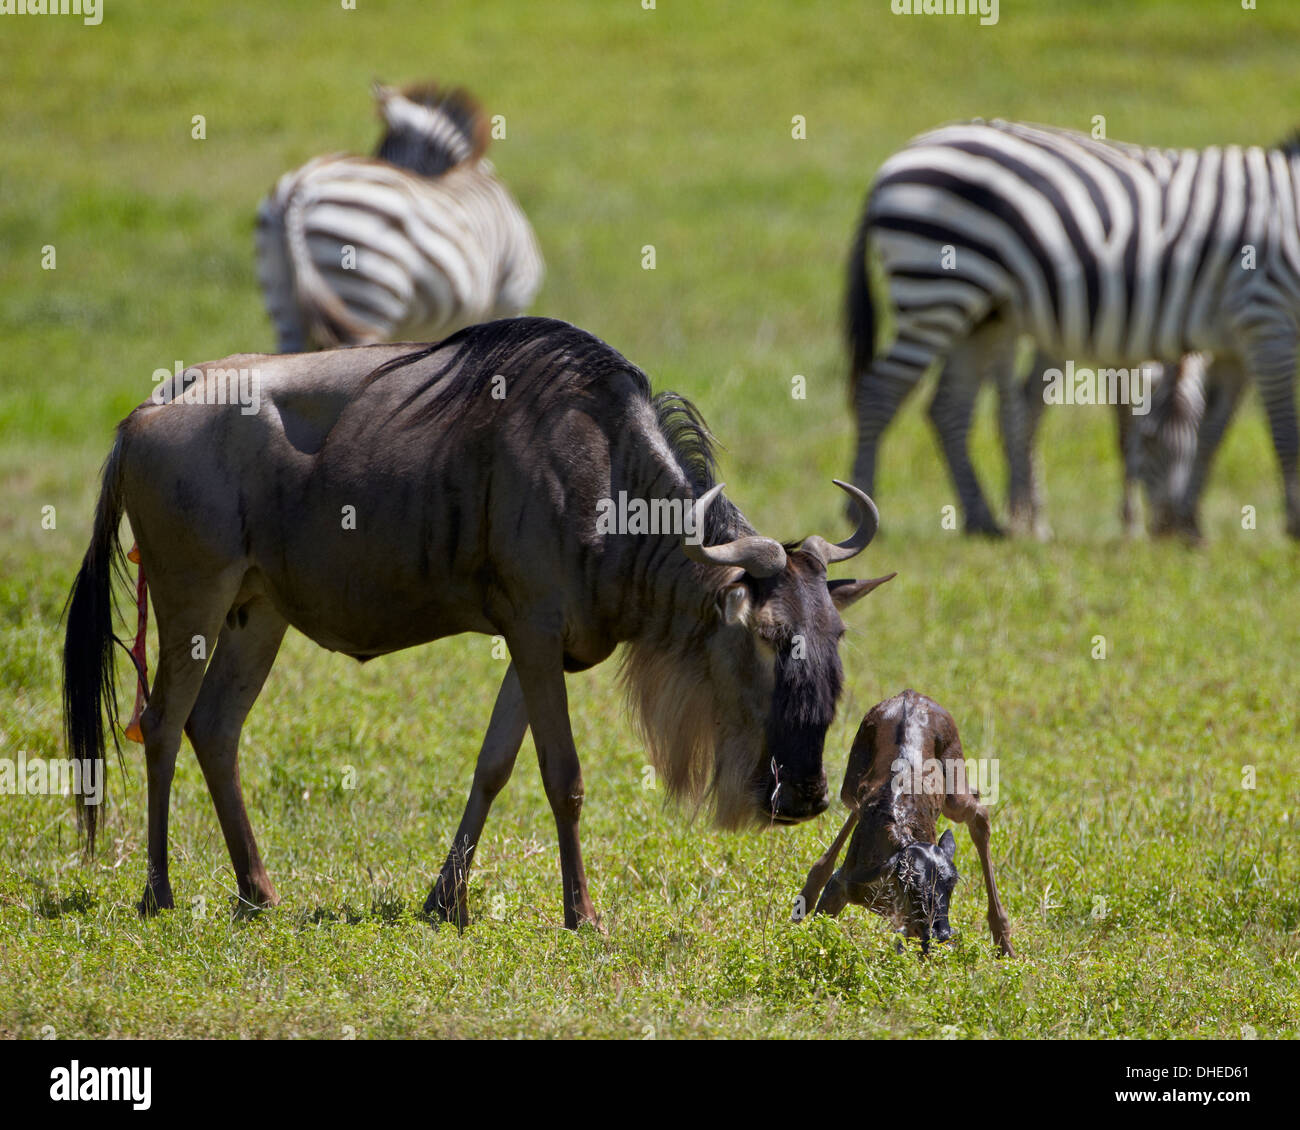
(1151, 894)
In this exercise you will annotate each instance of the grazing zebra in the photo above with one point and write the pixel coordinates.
(1158, 454)
(416, 242)
(1095, 249)
(1157, 448)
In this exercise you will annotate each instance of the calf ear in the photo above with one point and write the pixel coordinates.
(845, 593)
(947, 845)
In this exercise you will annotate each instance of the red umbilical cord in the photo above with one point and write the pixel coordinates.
(132, 729)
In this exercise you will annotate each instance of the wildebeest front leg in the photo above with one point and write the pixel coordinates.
(965, 809)
(496, 761)
(541, 677)
(821, 874)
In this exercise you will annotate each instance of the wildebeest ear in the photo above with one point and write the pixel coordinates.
(845, 593)
(947, 845)
(733, 603)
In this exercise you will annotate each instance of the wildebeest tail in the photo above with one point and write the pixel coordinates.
(89, 686)
(859, 313)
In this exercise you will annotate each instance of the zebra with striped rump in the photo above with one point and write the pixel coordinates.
(1097, 250)
(416, 242)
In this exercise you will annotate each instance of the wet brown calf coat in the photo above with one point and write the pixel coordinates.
(883, 821)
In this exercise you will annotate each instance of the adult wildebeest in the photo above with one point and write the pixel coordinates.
(385, 496)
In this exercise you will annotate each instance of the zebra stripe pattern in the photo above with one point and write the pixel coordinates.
(1097, 250)
(414, 243)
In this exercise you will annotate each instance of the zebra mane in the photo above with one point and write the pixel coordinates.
(1290, 145)
(428, 129)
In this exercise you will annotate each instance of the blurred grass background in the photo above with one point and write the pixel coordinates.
(1151, 894)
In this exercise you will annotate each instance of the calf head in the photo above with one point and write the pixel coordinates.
(912, 886)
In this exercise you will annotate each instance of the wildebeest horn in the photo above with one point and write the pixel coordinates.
(842, 551)
(758, 556)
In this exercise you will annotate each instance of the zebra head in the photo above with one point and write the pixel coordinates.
(1164, 445)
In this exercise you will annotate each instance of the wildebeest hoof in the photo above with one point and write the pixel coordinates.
(439, 907)
(153, 900)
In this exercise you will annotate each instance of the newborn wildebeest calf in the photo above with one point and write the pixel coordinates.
(893, 865)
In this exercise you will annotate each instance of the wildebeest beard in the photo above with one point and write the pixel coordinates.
(808, 682)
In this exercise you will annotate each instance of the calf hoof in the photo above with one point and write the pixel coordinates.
(985, 528)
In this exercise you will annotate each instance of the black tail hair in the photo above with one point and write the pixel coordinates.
(859, 312)
(89, 685)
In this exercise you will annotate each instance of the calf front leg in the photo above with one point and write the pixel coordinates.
(496, 761)
(821, 874)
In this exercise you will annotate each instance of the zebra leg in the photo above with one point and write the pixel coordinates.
(1025, 497)
(877, 395)
(1128, 516)
(1225, 383)
(950, 413)
(1018, 414)
(1272, 360)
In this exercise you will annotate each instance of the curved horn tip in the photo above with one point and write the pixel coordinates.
(859, 495)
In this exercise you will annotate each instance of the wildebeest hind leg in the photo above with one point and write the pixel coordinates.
(189, 616)
(246, 650)
(496, 761)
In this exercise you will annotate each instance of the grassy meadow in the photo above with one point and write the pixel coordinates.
(1151, 893)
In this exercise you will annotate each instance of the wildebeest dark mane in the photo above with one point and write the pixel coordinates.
(544, 360)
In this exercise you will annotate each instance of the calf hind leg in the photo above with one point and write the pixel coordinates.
(963, 808)
(246, 650)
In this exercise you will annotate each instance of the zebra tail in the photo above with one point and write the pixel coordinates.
(859, 311)
(327, 319)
